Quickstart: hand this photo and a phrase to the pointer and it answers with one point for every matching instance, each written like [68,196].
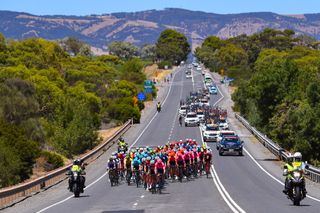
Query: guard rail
[314,173]
[11,195]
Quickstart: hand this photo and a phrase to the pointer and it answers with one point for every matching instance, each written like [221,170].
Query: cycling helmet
[152,162]
[159,160]
[148,158]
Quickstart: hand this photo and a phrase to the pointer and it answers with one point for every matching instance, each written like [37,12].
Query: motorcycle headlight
[75,174]
[296,174]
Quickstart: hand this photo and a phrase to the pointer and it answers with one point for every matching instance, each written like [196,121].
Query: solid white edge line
[62,201]
[223,192]
[156,112]
[264,170]
[66,199]
[270,175]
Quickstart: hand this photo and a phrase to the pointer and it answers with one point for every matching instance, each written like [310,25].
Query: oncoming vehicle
[213,90]
[188,75]
[230,144]
[207,79]
[183,110]
[191,119]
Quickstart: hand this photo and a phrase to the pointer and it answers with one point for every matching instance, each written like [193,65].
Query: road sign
[141,96]
[148,84]
[148,90]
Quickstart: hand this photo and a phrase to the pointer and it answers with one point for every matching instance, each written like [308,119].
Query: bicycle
[207,168]
[128,176]
[113,177]
[172,172]
[180,173]
[137,177]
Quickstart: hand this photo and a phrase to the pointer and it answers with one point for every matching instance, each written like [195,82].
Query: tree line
[55,95]
[278,79]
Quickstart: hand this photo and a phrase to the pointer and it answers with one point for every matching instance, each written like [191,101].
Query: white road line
[223,192]
[155,113]
[256,162]
[66,199]
[270,175]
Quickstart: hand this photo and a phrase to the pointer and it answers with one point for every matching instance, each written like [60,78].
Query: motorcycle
[296,182]
[76,182]
[159,108]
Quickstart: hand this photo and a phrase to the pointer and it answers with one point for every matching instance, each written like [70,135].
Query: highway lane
[252,189]
[199,195]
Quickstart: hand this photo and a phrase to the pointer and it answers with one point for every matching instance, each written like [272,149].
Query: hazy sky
[87,7]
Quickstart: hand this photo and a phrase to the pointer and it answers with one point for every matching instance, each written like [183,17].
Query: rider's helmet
[77,162]
[159,160]
[152,162]
[297,156]
[111,158]
[148,158]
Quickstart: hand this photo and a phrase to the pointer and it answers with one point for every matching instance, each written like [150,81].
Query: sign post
[148,86]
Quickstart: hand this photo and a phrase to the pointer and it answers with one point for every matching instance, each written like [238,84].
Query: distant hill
[144,27]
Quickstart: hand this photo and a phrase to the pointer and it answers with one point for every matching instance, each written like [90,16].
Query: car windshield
[223,121]
[211,128]
[183,108]
[204,101]
[231,140]
[191,116]
[200,113]
[227,134]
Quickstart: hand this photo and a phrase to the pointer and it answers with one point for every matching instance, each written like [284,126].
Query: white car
[191,119]
[204,102]
[199,68]
[223,124]
[188,75]
[200,115]
[183,110]
[224,133]
[211,136]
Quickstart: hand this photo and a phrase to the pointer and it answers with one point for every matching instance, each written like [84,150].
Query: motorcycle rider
[294,163]
[158,106]
[78,167]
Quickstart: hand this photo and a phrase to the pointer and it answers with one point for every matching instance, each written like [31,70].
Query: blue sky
[87,7]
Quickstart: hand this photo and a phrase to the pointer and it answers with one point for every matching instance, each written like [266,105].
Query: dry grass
[107,133]
[153,72]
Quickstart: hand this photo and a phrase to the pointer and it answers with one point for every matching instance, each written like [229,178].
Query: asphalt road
[247,185]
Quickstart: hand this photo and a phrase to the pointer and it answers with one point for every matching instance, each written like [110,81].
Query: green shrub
[53,158]
[162,64]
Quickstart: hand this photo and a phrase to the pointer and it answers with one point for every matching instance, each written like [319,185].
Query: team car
[230,144]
